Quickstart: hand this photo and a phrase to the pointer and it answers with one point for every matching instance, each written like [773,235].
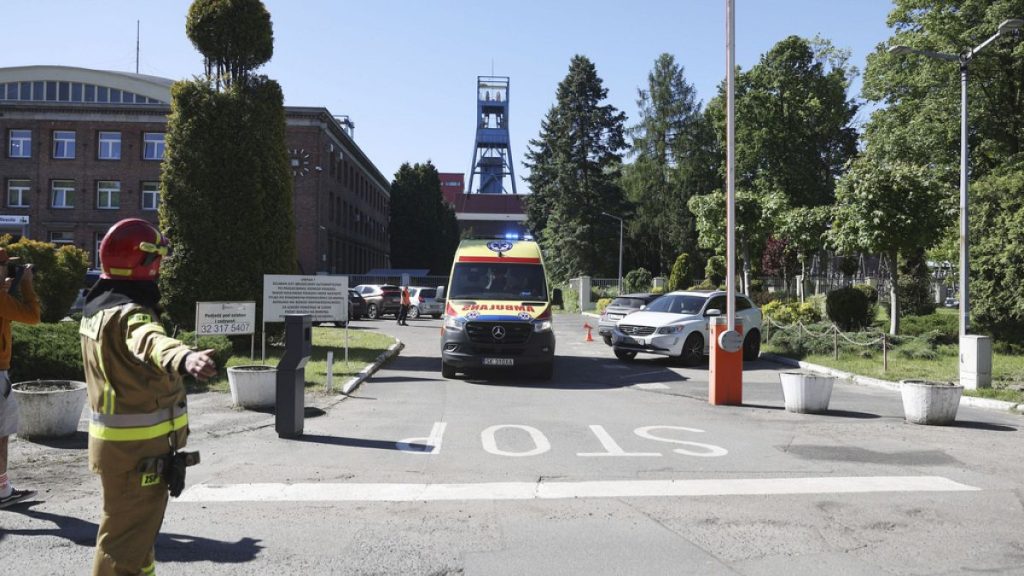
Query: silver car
[676,325]
[423,302]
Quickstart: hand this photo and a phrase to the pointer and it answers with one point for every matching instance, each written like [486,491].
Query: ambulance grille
[489,332]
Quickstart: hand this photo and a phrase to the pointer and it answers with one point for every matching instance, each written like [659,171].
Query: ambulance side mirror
[440,293]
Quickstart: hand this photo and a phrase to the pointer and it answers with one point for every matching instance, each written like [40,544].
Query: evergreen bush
[870,291]
[681,275]
[49,351]
[638,280]
[849,309]
[57,273]
[945,328]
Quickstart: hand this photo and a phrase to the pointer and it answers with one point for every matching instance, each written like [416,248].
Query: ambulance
[498,310]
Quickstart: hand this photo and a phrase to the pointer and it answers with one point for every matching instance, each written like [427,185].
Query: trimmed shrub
[714,271]
[790,343]
[638,280]
[791,312]
[602,304]
[221,345]
[870,291]
[848,308]
[681,274]
[46,352]
[57,273]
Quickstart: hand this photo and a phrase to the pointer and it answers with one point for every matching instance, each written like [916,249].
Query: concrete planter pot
[927,402]
[806,393]
[253,386]
[49,408]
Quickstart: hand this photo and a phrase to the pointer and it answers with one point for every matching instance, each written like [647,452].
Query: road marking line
[356,492]
[651,386]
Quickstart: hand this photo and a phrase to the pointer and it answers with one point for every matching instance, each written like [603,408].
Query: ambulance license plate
[498,361]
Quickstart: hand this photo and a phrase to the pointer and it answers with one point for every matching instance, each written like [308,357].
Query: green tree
[920,124]
[804,230]
[888,207]
[794,131]
[675,159]
[575,166]
[424,232]
[756,217]
[997,231]
[226,187]
[234,36]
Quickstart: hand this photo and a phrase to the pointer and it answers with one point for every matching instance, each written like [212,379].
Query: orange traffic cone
[588,328]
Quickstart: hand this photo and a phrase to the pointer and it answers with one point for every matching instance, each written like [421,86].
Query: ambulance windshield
[498,281]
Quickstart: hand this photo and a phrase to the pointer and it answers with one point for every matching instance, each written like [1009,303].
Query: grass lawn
[363,348]
[1007,369]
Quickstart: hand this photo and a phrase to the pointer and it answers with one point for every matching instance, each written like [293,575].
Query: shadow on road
[360,442]
[981,426]
[169,547]
[77,441]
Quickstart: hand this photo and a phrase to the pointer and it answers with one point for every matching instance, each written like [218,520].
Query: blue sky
[405,70]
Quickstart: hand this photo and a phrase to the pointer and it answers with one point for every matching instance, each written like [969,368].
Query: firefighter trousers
[133,510]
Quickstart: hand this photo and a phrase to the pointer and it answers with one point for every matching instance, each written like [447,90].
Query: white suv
[676,325]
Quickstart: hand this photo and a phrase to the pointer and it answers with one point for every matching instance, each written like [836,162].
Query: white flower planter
[806,393]
[49,408]
[253,386]
[933,403]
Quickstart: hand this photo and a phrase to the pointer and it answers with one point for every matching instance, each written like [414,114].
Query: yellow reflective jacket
[136,393]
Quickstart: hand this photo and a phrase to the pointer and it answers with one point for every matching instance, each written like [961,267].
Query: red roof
[484,203]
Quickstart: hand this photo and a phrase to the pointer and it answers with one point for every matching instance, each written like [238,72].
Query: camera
[15,271]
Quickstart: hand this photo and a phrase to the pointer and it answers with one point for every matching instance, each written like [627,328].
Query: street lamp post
[620,247]
[964,59]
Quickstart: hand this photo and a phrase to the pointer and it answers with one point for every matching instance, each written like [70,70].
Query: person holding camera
[139,409]
[18,303]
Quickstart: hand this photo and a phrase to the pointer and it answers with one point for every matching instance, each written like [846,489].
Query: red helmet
[132,250]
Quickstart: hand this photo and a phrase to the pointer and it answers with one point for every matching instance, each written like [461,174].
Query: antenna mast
[136,46]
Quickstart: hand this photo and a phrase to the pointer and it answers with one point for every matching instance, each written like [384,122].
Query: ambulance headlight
[542,325]
[454,323]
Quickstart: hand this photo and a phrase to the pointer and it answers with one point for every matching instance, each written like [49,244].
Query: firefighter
[139,411]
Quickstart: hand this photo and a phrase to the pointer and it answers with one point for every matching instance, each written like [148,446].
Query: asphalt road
[611,468]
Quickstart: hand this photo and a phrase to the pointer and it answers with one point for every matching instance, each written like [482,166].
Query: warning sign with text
[325,298]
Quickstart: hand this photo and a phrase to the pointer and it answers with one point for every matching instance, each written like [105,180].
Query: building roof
[486,206]
[153,87]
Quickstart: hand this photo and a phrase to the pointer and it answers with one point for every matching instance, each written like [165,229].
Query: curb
[986,403]
[365,373]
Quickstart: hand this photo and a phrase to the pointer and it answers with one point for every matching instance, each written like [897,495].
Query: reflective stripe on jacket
[136,393]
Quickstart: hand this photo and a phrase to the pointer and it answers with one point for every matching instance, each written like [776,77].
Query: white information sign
[325,298]
[225,318]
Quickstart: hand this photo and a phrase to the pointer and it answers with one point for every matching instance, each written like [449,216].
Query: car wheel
[752,346]
[372,312]
[447,370]
[625,355]
[693,350]
[414,312]
[608,340]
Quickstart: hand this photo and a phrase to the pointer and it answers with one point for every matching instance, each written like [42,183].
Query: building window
[61,238]
[110,146]
[150,195]
[64,144]
[17,193]
[20,144]
[153,146]
[62,194]
[97,239]
[108,194]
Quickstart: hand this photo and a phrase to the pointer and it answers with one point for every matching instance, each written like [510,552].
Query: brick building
[83,149]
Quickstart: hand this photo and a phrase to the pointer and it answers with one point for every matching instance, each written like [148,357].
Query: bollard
[291,375]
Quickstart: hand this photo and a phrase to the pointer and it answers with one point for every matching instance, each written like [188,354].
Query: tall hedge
[849,308]
[226,191]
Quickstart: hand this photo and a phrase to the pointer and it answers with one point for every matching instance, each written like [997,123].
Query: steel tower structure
[492,153]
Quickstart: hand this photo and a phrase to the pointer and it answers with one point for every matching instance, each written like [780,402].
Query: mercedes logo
[498,332]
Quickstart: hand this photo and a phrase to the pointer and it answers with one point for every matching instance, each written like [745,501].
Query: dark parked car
[380,299]
[91,276]
[618,309]
[356,305]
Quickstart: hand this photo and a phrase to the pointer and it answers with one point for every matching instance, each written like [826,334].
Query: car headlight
[542,326]
[454,323]
[671,329]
